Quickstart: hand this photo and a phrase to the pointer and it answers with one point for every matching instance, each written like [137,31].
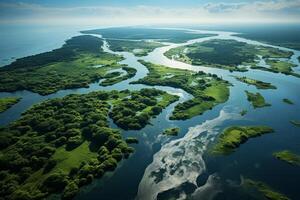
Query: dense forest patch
[225,54]
[79,62]
[135,111]
[62,144]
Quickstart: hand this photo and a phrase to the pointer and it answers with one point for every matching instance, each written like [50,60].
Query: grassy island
[287,101]
[232,137]
[116,77]
[208,90]
[138,48]
[288,156]
[62,144]
[171,131]
[79,62]
[295,122]
[284,67]
[225,54]
[257,100]
[7,102]
[130,33]
[277,66]
[257,83]
[265,190]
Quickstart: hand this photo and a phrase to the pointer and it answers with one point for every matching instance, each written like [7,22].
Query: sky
[137,12]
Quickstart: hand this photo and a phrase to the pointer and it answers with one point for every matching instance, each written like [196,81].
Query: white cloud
[259,11]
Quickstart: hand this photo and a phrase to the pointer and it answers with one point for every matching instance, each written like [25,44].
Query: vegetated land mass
[243,112]
[278,66]
[112,78]
[79,62]
[285,36]
[288,101]
[7,102]
[265,190]
[171,131]
[232,137]
[257,83]
[62,144]
[225,54]
[288,156]
[135,111]
[138,48]
[257,100]
[175,36]
[208,90]
[295,122]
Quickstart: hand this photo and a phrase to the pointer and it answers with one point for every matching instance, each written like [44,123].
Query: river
[182,159]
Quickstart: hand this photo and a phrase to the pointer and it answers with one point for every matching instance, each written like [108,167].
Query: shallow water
[155,153]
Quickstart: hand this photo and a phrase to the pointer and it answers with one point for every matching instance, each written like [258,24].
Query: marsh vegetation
[208,89]
[7,102]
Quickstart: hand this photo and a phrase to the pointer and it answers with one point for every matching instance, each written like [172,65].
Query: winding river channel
[160,163]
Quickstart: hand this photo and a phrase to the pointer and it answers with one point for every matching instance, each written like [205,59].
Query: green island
[295,122]
[257,100]
[116,77]
[171,131]
[138,48]
[135,111]
[163,35]
[287,101]
[224,54]
[283,67]
[62,144]
[243,112]
[7,102]
[232,137]
[257,83]
[79,62]
[288,156]
[131,140]
[208,89]
[265,190]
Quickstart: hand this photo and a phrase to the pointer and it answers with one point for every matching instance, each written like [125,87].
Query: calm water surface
[185,156]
